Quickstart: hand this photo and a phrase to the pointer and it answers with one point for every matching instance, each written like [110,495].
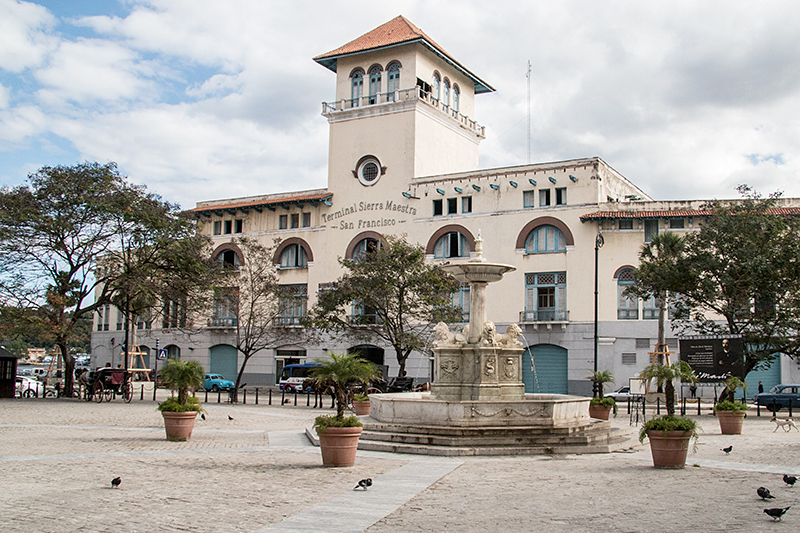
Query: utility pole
[528,75]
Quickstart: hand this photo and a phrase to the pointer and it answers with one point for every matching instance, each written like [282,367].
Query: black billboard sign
[714,358]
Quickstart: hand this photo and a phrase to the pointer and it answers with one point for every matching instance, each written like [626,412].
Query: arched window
[446,93]
[456,98]
[545,239]
[229,259]
[451,244]
[364,248]
[437,82]
[393,84]
[374,84]
[627,305]
[356,87]
[294,256]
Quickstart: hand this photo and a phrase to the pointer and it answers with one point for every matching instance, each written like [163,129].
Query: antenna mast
[528,75]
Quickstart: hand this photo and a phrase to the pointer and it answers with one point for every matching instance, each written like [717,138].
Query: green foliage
[664,375]
[741,266]
[321,423]
[728,405]
[605,402]
[599,378]
[183,377]
[342,371]
[360,398]
[668,423]
[172,404]
[404,296]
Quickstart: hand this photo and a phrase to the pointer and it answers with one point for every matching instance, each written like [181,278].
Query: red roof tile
[399,30]
[250,203]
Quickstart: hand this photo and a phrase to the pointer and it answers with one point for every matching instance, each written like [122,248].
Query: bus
[293,376]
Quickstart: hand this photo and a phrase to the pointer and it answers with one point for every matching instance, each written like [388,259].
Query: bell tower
[404,108]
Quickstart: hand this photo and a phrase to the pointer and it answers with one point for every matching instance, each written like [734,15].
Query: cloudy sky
[209,99]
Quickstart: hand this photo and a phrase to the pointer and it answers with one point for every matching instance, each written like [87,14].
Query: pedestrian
[760,387]
[693,390]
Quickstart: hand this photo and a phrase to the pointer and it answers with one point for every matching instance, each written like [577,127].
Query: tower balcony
[391,101]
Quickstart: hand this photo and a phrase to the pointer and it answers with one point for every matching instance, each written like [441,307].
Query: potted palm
[338,434]
[731,413]
[180,412]
[669,435]
[361,404]
[600,406]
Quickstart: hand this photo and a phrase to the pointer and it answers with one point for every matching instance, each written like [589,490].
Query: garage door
[224,361]
[550,369]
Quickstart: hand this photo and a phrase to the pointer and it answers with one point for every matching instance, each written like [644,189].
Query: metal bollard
[219,396]
[295,397]
[790,408]
[658,406]
[141,392]
[698,407]
[308,398]
[244,396]
[256,395]
[206,400]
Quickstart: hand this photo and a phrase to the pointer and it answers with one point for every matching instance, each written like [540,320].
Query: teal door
[224,361]
[550,369]
[768,377]
[527,370]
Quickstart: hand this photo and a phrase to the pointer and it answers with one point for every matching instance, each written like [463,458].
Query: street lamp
[598,243]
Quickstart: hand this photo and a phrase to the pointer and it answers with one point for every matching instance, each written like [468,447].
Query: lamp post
[598,243]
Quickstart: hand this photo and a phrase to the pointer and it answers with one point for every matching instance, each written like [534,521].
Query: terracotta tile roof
[397,31]
[675,213]
[261,201]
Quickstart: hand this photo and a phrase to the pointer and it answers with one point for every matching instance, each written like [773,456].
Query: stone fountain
[477,404]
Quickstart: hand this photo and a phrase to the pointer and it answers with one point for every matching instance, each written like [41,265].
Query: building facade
[403,159]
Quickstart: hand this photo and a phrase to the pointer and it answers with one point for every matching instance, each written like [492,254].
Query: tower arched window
[356,87]
[456,98]
[446,93]
[545,239]
[229,259]
[437,83]
[393,83]
[374,84]
[452,244]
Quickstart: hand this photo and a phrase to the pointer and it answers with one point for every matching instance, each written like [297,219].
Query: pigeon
[776,512]
[789,480]
[230,417]
[115,482]
[203,416]
[363,484]
[727,450]
[763,493]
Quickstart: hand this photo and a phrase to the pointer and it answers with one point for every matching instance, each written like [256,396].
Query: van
[293,376]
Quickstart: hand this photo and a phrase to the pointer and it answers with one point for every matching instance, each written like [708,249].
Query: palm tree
[340,372]
[599,378]
[661,254]
[182,376]
[664,375]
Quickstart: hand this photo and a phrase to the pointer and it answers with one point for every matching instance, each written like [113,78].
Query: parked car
[622,394]
[215,382]
[28,387]
[779,397]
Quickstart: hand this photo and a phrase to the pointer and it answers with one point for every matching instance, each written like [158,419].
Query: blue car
[215,382]
[779,397]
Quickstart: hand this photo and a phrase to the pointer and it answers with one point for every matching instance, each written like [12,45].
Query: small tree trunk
[669,391]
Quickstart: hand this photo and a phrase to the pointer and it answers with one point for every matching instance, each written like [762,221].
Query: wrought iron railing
[544,315]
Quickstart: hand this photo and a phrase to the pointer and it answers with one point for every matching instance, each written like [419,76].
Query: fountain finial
[478,250]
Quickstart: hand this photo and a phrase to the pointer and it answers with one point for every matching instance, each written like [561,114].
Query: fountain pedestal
[471,372]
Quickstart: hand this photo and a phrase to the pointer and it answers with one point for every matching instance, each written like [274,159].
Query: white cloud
[24,37]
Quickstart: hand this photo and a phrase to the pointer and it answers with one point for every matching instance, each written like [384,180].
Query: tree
[738,275]
[59,234]
[399,296]
[252,295]
[664,376]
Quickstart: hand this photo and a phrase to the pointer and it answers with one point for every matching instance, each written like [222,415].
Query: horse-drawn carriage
[107,383]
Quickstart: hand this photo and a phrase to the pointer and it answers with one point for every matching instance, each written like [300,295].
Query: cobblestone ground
[57,459]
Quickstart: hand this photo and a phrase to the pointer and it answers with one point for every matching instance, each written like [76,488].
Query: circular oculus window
[369,171]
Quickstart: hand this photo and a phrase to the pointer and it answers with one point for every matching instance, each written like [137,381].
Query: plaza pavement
[258,473]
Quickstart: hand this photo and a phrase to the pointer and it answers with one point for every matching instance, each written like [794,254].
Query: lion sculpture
[444,337]
[510,337]
[488,334]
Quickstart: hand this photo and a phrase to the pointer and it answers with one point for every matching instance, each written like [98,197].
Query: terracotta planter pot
[339,445]
[361,408]
[600,411]
[669,449]
[179,426]
[731,422]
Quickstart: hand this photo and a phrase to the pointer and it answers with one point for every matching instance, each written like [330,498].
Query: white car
[622,394]
[29,387]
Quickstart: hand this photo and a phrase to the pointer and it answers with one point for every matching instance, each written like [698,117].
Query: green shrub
[668,423]
[605,402]
[728,405]
[360,398]
[173,405]
[321,423]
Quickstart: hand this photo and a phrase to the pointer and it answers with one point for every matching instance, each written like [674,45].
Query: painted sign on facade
[714,358]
